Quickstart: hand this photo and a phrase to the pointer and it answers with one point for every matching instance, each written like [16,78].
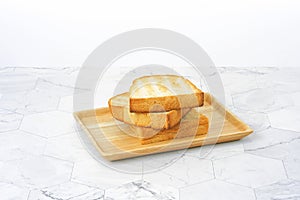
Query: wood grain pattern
[114,141]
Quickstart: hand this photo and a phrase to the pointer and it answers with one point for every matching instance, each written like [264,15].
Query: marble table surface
[42,156]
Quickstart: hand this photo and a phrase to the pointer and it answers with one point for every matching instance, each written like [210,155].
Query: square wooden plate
[110,138]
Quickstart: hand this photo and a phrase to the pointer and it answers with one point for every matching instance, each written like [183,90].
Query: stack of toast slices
[161,107]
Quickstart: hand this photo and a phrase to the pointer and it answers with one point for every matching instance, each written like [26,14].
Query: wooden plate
[111,138]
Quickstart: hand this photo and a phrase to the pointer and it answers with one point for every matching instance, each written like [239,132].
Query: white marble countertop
[41,156]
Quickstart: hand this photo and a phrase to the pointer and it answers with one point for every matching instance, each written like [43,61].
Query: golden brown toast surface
[119,107]
[163,93]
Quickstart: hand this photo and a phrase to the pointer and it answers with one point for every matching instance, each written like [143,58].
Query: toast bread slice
[160,93]
[119,108]
[194,123]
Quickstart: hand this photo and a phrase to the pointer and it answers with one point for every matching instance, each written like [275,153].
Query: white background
[234,33]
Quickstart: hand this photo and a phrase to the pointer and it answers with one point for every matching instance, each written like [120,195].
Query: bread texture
[119,108]
[160,93]
[194,123]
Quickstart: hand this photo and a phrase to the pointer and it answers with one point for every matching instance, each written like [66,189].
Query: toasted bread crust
[188,122]
[201,130]
[162,120]
[186,129]
[167,103]
[194,97]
